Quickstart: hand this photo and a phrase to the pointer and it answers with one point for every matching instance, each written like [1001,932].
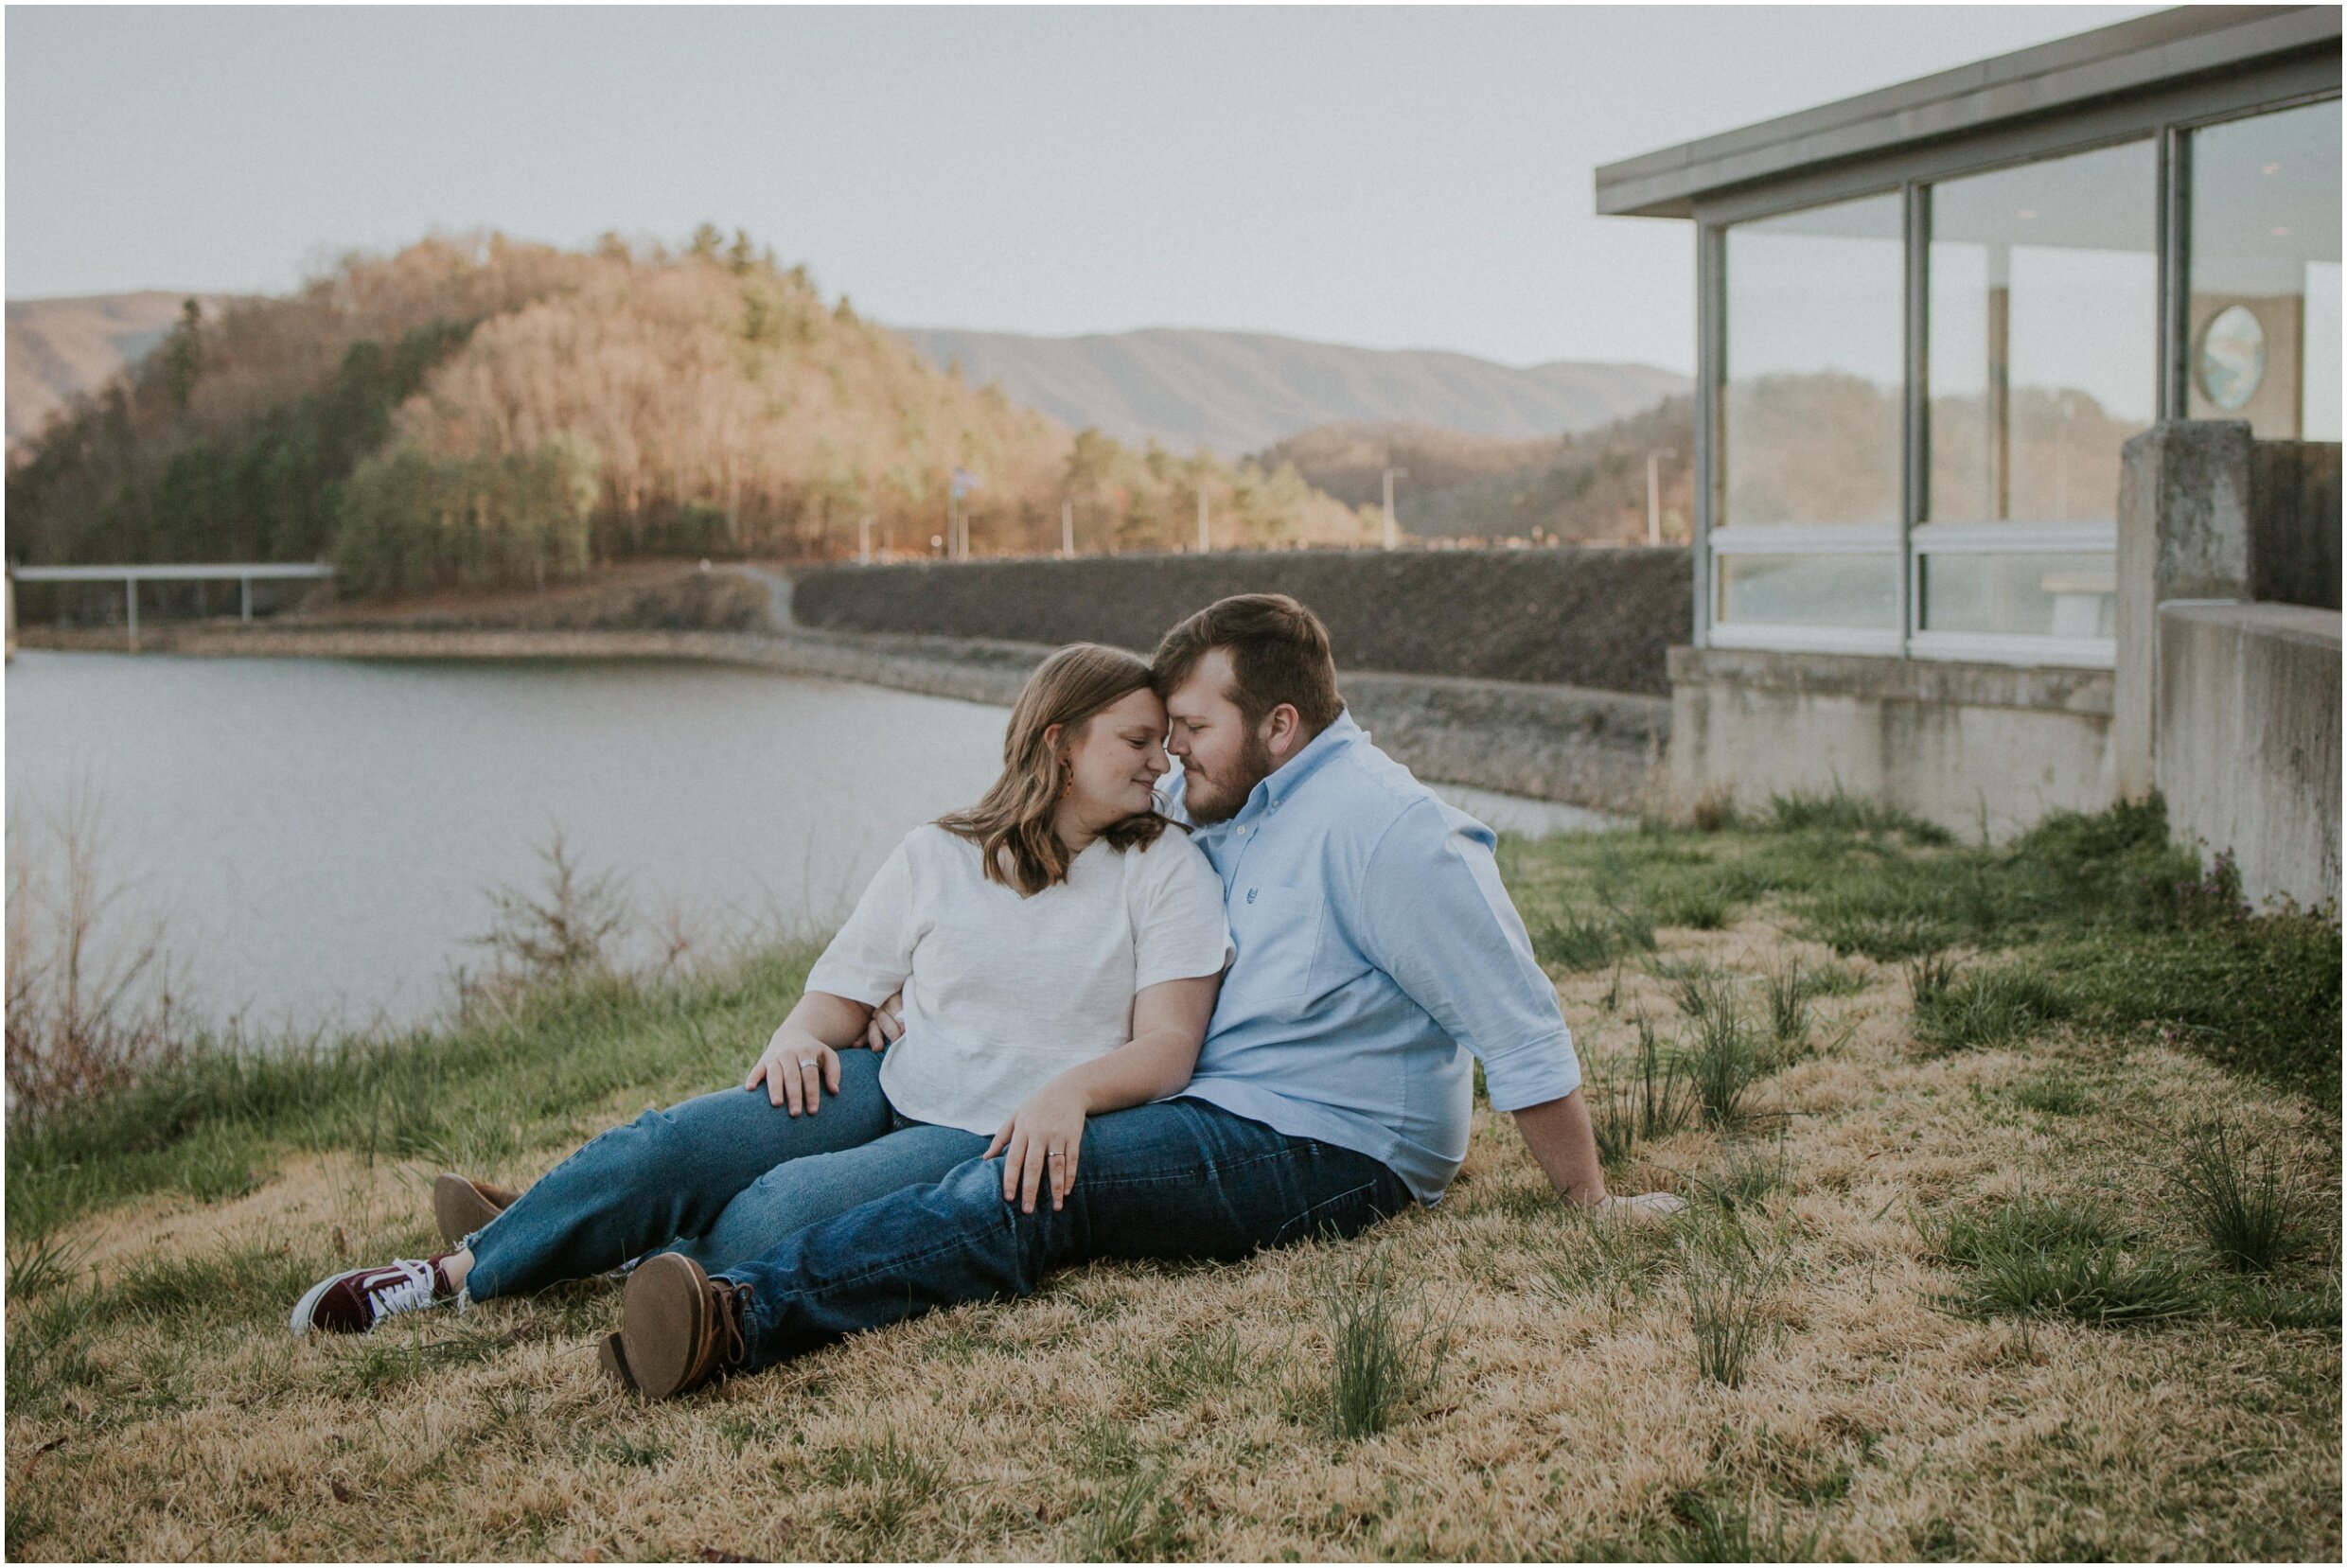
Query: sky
[1395,177]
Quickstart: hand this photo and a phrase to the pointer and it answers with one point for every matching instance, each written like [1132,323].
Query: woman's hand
[796,1067]
[1040,1143]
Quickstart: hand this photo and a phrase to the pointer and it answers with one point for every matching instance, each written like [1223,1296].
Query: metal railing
[244,573]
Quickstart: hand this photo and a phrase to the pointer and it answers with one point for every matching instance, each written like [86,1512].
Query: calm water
[319,837]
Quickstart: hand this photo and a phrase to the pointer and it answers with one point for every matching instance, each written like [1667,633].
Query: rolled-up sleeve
[1436,917]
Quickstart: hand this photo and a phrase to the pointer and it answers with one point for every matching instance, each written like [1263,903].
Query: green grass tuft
[1377,1366]
[2241,1198]
[1987,1008]
[2041,1259]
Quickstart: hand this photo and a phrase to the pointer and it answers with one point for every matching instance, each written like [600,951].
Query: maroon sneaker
[353,1302]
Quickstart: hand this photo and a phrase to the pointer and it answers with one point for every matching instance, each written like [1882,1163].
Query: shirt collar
[1282,780]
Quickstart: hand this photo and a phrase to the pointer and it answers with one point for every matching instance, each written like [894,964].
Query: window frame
[2166,118]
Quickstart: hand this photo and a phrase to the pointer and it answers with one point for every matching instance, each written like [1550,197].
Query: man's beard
[1226,795]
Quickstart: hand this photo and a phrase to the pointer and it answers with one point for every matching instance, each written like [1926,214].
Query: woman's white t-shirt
[1002,992]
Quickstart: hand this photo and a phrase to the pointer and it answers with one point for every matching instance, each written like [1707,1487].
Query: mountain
[1236,392]
[60,349]
[1588,487]
[478,412]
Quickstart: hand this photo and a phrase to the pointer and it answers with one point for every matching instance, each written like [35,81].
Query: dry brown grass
[1098,1419]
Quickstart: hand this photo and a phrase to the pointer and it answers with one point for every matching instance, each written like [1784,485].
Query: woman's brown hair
[1012,824]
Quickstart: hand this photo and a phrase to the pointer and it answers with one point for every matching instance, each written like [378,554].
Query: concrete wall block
[2184,507]
[1964,748]
[2249,741]
[2294,517]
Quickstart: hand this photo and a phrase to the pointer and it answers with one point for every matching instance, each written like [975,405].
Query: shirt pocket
[1277,929]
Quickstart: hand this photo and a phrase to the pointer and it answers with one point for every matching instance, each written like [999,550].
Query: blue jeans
[718,1178]
[1175,1179]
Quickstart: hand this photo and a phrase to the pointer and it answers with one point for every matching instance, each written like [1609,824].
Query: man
[1377,955]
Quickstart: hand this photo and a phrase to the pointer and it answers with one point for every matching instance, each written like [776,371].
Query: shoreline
[1568,746]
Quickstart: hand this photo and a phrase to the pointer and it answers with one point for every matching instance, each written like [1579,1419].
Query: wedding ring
[806,1061]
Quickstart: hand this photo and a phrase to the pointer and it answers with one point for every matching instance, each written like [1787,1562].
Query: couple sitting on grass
[1239,1023]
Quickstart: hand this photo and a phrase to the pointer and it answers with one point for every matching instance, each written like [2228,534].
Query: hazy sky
[1397,177]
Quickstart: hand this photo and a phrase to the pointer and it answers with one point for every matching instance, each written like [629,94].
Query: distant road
[1240,391]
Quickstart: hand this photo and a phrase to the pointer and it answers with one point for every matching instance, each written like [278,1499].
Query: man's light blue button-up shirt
[1376,950]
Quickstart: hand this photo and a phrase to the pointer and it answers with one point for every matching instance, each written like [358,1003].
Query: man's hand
[796,1067]
[1040,1143]
[888,1024]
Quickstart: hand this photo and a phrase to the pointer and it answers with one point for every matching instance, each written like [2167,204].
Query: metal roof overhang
[2141,55]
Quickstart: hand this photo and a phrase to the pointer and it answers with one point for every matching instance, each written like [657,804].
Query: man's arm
[1559,1137]
[1436,918]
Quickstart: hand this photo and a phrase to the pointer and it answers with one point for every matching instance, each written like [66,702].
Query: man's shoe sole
[459,1208]
[665,1314]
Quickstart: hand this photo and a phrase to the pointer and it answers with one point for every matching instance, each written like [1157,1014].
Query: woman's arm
[1044,1136]
[803,1053]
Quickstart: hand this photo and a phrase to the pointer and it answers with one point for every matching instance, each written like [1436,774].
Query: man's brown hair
[1278,653]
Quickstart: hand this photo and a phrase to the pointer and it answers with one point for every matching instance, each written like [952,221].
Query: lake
[318,838]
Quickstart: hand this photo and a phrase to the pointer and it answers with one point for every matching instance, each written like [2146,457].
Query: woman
[1059,951]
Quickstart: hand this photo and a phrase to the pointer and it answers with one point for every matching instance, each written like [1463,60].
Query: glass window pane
[1809,415]
[2264,271]
[1810,591]
[2040,595]
[2043,335]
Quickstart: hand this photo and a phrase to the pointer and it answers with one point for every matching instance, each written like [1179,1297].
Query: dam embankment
[1471,668]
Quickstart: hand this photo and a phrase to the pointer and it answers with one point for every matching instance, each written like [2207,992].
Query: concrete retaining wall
[1962,745]
[2249,749]
[1591,618]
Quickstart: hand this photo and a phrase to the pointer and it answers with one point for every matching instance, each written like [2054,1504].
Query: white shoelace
[406,1295]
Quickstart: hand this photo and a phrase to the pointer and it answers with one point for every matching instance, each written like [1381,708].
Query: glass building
[1929,317]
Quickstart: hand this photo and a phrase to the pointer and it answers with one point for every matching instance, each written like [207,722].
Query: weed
[1728,1285]
[39,1263]
[1657,1102]
[2043,1259]
[1723,1063]
[1750,1173]
[1377,1366]
[1585,940]
[2053,1093]
[1134,1524]
[1993,1006]
[1198,1365]
[217,1171]
[1717,1531]
[1695,909]
[1928,978]
[1787,990]
[1619,1262]
[898,1479]
[635,1453]
[1843,812]
[2241,1198]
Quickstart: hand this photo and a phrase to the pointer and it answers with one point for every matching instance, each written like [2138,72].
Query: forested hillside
[1588,489]
[483,412]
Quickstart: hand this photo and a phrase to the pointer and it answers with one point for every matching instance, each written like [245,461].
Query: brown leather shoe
[612,1355]
[461,1206]
[677,1327]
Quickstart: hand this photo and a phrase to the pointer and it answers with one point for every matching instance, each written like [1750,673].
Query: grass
[1975,1310]
[1377,1366]
[1657,1102]
[2242,1199]
[2050,1260]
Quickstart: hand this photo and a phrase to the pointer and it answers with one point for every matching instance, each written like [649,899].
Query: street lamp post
[1393,531]
[1654,493]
